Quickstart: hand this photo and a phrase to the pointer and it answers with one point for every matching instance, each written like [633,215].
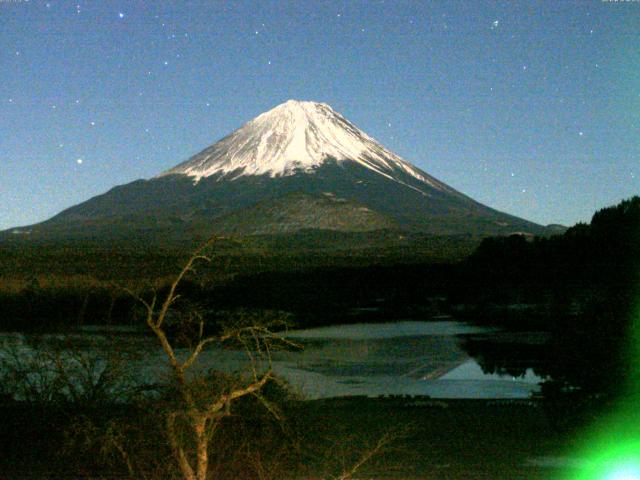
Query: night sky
[529,107]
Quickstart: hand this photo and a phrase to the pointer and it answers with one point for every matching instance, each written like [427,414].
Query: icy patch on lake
[365,331]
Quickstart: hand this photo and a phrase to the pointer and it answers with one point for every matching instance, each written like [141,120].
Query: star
[79,161]
[495,24]
[93,124]
[581,133]
[121,15]
[165,62]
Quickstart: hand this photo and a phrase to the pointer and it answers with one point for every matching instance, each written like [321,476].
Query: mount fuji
[300,166]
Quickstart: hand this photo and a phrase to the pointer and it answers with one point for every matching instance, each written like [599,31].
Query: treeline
[584,288]
[604,254]
[597,261]
[58,285]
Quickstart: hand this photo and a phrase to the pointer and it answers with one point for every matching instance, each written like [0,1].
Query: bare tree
[194,403]
[205,401]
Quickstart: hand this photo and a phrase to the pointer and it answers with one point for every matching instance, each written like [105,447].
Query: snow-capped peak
[292,137]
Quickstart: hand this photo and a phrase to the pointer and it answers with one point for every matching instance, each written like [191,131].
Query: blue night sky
[529,107]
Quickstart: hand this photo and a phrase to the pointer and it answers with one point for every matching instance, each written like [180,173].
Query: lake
[402,358]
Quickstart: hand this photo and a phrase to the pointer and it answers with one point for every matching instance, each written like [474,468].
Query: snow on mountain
[298,167]
[294,137]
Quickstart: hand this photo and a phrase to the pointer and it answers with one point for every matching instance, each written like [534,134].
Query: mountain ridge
[296,147]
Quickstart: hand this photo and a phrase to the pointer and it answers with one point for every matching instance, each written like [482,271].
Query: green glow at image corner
[621,461]
[612,451]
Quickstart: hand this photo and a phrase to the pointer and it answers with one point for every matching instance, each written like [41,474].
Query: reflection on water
[404,358]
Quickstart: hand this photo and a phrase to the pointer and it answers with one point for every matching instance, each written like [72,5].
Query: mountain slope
[298,166]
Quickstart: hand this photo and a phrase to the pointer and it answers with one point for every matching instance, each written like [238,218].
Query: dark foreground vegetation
[455,439]
[575,291]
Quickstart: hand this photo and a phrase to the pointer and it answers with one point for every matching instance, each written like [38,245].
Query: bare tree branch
[367,455]
[183,462]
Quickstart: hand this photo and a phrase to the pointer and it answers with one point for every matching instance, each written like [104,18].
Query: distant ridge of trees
[605,252]
[582,288]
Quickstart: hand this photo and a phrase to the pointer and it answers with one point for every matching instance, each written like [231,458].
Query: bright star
[121,15]
[79,161]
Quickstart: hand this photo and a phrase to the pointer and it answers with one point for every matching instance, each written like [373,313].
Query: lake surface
[402,358]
